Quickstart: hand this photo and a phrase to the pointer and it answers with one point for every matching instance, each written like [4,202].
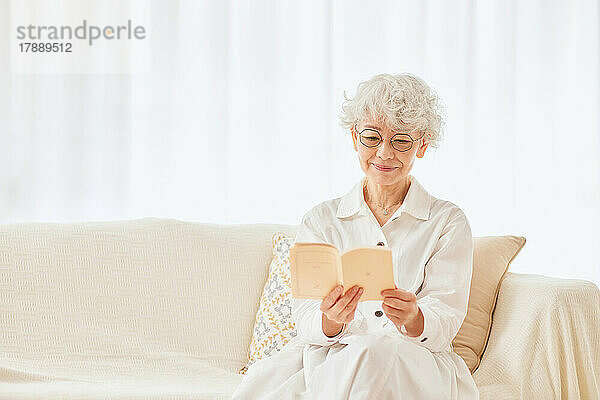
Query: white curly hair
[404,102]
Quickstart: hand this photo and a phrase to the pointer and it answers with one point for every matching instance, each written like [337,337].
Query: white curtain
[235,118]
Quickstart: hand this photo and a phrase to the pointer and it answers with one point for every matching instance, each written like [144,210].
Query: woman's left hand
[400,307]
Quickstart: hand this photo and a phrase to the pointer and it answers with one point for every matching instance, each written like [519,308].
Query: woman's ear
[421,150]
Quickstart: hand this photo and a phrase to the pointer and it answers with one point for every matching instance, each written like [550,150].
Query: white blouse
[432,252]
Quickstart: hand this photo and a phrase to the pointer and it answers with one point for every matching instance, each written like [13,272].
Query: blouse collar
[417,201]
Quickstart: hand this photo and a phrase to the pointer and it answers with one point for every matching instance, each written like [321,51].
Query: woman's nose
[385,150]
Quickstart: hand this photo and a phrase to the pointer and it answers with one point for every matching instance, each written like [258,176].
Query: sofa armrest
[544,341]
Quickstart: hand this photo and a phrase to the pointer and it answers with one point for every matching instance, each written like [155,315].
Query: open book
[316,268]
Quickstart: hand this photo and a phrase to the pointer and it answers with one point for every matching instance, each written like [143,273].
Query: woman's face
[386,155]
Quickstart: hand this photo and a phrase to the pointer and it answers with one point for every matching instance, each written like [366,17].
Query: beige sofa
[164,309]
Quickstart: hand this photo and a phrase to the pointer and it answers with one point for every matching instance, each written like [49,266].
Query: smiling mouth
[382,168]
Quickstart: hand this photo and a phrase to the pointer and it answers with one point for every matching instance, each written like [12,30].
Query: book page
[315,269]
[369,267]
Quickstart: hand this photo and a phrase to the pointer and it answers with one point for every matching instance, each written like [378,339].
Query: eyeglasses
[400,141]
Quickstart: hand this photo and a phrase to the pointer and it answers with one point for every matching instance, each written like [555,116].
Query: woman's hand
[400,306]
[340,308]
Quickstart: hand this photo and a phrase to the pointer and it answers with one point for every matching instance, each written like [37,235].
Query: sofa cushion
[492,256]
[128,290]
[274,326]
[123,379]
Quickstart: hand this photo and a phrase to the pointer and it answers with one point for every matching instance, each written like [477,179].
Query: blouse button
[380,244]
[378,313]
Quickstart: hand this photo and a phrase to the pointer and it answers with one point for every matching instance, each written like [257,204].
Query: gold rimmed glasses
[401,141]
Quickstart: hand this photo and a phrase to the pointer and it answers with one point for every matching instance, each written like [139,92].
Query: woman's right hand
[340,308]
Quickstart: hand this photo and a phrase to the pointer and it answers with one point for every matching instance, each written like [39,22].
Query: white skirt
[360,366]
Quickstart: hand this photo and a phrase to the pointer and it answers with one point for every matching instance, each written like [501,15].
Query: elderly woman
[401,347]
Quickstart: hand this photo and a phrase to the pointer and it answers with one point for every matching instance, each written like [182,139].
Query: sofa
[156,308]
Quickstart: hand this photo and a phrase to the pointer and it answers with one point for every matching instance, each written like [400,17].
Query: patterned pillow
[274,326]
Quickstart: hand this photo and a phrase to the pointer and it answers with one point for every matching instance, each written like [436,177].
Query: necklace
[384,208]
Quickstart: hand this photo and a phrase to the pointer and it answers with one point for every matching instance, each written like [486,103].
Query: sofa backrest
[122,288]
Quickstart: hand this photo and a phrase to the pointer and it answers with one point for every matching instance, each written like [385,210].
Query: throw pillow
[273,325]
[491,257]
